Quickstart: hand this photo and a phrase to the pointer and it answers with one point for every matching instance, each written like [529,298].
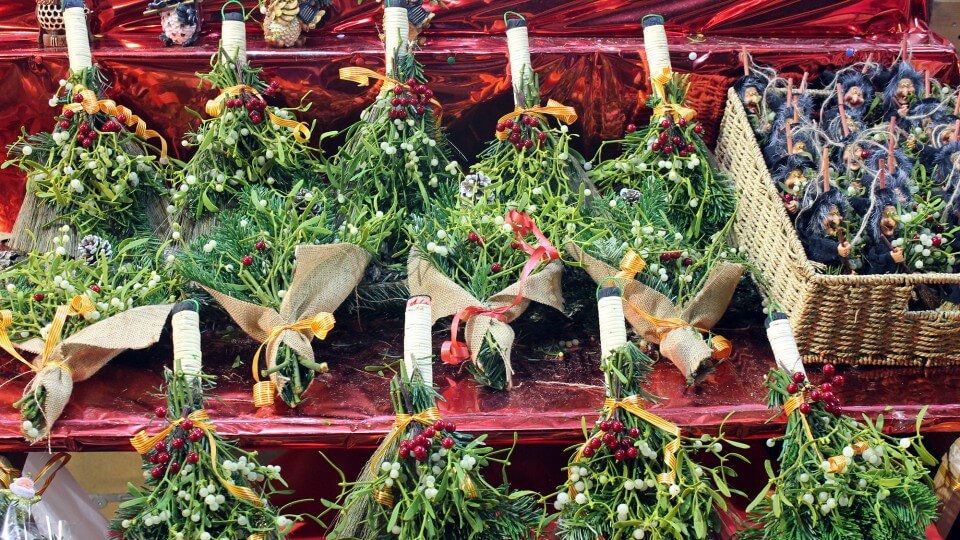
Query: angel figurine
[820,221]
[179,21]
[286,21]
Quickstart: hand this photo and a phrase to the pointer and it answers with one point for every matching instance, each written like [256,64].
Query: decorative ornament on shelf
[635,476]
[179,20]
[50,19]
[196,484]
[837,476]
[18,497]
[285,22]
[428,469]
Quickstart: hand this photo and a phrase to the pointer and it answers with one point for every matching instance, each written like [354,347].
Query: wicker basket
[850,319]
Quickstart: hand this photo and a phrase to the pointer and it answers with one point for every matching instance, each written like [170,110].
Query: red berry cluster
[272,89]
[418,447]
[412,98]
[674,255]
[669,144]
[86,135]
[260,246]
[523,131]
[164,453]
[616,438]
[247,260]
[823,393]
[253,104]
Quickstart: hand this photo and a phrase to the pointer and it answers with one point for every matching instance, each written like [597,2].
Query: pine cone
[92,248]
[303,199]
[630,195]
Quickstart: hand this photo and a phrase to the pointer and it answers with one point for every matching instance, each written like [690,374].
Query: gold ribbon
[631,265]
[632,405]
[561,112]
[792,405]
[722,347]
[80,305]
[143,443]
[383,496]
[318,325]
[7,475]
[91,105]
[214,108]
[678,111]
[400,423]
[53,466]
[362,76]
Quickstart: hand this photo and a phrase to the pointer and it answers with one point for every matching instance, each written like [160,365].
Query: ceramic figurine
[286,21]
[179,21]
[50,18]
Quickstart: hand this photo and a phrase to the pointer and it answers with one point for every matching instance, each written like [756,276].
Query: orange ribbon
[91,105]
[214,108]
[455,351]
[362,76]
[561,112]
[80,305]
[143,443]
[678,111]
[400,423]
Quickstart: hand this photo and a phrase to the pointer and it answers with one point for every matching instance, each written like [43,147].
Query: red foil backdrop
[587,53]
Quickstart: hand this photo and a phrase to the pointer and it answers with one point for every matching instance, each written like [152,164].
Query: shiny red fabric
[350,407]
[587,53]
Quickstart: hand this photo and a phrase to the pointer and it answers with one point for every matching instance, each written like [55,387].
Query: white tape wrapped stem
[613,329]
[518,46]
[78,42]
[186,343]
[396,32]
[655,45]
[417,340]
[784,345]
[233,39]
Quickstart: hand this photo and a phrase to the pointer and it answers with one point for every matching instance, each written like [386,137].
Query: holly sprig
[183,496]
[882,490]
[97,172]
[614,487]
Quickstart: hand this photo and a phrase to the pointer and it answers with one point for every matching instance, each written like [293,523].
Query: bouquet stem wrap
[83,354]
[449,298]
[325,276]
[659,320]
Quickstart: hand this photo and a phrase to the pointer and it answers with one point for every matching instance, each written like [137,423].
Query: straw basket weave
[852,319]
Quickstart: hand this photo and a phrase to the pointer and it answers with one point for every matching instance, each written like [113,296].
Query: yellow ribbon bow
[317,326]
[631,265]
[561,112]
[91,105]
[143,443]
[400,423]
[214,108]
[362,76]
[80,305]
[678,111]
[632,405]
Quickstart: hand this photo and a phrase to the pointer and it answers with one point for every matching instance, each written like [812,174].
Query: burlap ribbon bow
[324,277]
[449,298]
[645,310]
[80,356]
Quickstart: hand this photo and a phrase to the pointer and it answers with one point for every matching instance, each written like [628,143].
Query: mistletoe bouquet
[397,150]
[838,477]
[670,152]
[618,485]
[467,258]
[88,295]
[94,170]
[280,265]
[528,153]
[243,141]
[425,480]
[197,485]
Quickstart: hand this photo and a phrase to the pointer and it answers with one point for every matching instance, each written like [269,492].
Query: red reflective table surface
[349,406]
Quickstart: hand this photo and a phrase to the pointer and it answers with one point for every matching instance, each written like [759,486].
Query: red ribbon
[455,351]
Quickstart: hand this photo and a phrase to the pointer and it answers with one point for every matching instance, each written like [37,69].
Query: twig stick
[744,58]
[843,111]
[891,159]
